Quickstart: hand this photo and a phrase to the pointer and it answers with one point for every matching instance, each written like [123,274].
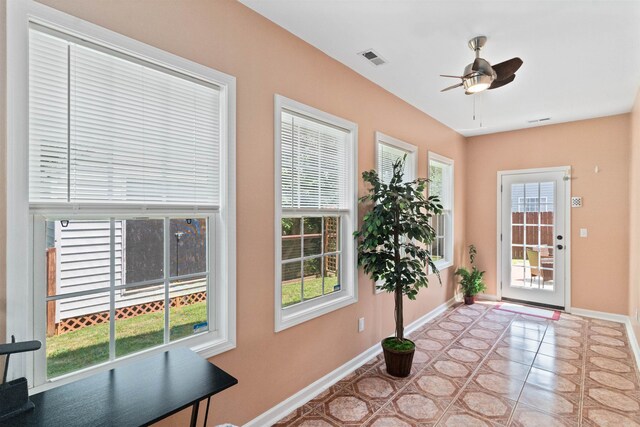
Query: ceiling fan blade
[499,83]
[506,69]
[451,87]
[453,77]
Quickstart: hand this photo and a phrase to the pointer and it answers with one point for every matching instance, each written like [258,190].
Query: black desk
[137,394]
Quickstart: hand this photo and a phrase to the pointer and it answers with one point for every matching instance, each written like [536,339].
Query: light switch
[361,324]
[583,232]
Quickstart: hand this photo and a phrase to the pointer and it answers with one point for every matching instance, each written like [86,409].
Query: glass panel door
[532,237]
[532,231]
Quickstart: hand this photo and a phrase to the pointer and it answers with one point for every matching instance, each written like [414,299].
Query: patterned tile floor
[478,366]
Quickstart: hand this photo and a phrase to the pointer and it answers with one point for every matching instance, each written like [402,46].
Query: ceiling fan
[480,75]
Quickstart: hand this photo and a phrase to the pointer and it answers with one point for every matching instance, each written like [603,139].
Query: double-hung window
[388,151]
[130,178]
[316,215]
[441,185]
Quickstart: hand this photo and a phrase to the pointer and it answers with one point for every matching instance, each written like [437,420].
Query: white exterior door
[533,243]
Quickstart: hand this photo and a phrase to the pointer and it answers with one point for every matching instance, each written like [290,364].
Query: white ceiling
[581,58]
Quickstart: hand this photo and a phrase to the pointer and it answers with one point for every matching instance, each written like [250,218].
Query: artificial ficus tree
[396,234]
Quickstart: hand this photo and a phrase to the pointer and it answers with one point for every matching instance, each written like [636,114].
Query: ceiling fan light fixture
[480,75]
[477,83]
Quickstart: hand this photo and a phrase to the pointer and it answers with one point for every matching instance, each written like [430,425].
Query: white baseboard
[620,318]
[287,406]
[488,297]
[416,324]
[634,341]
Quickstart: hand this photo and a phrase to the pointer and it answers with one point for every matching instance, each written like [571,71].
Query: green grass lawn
[312,289]
[89,346]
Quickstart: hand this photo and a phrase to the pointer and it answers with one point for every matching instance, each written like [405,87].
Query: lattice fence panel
[79,322]
[331,225]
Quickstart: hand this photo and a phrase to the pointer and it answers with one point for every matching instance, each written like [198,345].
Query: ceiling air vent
[544,119]
[372,57]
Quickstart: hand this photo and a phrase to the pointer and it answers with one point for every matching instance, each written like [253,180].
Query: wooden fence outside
[78,322]
[74,323]
[539,231]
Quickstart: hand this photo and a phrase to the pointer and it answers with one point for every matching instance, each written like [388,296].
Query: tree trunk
[398,291]
[399,317]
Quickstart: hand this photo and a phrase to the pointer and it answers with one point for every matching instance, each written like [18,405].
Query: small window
[315,212]
[388,151]
[441,185]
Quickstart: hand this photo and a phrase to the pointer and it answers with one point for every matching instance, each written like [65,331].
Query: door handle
[560,247]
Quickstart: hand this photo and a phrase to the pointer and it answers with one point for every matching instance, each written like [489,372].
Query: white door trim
[567,223]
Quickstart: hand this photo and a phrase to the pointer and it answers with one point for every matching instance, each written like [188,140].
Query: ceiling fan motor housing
[480,78]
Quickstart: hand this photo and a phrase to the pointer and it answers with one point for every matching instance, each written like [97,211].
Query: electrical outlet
[584,232]
[361,324]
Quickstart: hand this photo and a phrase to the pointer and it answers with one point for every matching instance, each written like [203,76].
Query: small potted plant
[471,282]
[393,247]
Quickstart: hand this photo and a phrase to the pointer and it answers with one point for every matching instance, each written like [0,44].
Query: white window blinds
[315,159]
[387,156]
[104,127]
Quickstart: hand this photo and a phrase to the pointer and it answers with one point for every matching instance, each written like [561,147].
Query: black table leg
[194,414]
[206,414]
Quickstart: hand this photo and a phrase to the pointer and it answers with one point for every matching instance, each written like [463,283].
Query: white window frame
[410,171]
[22,224]
[449,229]
[286,317]
[411,164]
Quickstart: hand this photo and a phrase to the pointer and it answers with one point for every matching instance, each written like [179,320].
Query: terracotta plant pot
[398,362]
[469,300]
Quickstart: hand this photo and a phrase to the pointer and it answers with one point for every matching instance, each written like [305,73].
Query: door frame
[567,227]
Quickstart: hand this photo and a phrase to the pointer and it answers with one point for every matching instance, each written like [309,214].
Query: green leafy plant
[471,281]
[394,238]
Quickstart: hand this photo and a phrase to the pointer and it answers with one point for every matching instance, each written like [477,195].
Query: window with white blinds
[315,159]
[131,176]
[108,128]
[441,185]
[387,156]
[388,151]
[316,169]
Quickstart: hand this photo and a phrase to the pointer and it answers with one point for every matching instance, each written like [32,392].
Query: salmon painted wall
[599,263]
[267,60]
[634,220]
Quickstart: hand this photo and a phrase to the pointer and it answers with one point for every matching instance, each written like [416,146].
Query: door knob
[560,247]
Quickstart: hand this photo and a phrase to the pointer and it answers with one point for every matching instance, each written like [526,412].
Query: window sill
[204,349]
[443,265]
[303,314]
